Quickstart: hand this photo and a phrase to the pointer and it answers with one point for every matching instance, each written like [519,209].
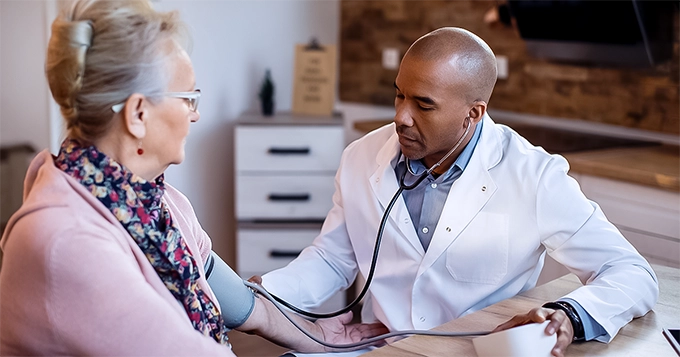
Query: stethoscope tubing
[402,186]
[278,302]
[366,342]
[369,278]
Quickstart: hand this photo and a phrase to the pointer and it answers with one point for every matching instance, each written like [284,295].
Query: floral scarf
[138,206]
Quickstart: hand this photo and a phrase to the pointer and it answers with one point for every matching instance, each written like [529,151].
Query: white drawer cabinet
[296,149]
[278,196]
[286,172]
[285,168]
[638,207]
[271,248]
[648,217]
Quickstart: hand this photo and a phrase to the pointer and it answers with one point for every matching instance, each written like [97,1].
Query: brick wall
[639,98]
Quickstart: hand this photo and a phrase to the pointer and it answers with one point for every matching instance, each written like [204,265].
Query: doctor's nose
[403,116]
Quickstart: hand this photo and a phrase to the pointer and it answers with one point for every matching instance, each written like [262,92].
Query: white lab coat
[512,203]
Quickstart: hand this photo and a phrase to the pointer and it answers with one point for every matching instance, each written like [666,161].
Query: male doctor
[476,231]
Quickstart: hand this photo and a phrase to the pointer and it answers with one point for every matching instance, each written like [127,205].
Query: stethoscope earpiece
[422,176]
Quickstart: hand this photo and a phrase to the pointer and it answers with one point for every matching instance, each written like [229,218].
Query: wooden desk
[641,337]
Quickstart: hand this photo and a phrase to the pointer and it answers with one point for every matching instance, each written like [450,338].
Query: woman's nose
[195,116]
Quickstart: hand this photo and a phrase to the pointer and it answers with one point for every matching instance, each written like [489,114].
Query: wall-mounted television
[635,33]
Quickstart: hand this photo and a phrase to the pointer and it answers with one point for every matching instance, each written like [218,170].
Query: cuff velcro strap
[576,324]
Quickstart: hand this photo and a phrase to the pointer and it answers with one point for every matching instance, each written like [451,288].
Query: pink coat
[73,282]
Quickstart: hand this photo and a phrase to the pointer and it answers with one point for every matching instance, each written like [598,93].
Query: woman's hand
[268,322]
[338,330]
[559,323]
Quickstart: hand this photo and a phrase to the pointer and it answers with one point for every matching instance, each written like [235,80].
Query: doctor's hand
[559,323]
[339,330]
[255,279]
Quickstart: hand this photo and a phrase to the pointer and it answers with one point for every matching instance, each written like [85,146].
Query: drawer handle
[284,253]
[289,151]
[289,197]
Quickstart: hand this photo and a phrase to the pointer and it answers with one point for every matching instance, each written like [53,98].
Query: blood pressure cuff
[236,300]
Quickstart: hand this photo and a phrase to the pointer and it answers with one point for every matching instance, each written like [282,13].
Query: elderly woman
[104,257]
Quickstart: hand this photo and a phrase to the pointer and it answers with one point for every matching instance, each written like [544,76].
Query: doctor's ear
[477,111]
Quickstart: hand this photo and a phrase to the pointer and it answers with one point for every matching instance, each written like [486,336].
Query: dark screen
[577,20]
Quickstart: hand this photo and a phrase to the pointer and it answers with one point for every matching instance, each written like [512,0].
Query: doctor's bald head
[471,58]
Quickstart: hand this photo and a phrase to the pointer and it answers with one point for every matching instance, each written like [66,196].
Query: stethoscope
[402,186]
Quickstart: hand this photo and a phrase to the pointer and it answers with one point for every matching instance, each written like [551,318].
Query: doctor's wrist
[576,323]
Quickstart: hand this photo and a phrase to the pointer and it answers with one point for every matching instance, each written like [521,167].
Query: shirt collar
[460,164]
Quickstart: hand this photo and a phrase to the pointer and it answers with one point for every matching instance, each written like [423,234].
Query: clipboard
[314,79]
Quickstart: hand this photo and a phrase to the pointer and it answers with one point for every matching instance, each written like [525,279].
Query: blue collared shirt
[426,202]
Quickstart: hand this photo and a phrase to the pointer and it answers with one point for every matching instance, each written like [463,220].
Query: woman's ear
[136,115]
[477,111]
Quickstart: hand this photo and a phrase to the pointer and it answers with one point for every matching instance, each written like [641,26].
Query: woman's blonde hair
[101,52]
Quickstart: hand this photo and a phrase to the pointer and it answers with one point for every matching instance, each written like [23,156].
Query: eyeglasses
[191,98]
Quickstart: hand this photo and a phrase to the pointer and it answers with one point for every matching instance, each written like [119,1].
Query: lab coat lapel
[384,185]
[468,195]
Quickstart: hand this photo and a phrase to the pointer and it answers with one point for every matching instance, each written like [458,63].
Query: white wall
[233,43]
[24,108]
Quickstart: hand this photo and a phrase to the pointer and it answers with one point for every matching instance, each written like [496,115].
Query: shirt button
[425,230]
[434,185]
[422,319]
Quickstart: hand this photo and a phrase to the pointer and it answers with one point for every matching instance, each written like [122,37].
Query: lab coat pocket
[480,253]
